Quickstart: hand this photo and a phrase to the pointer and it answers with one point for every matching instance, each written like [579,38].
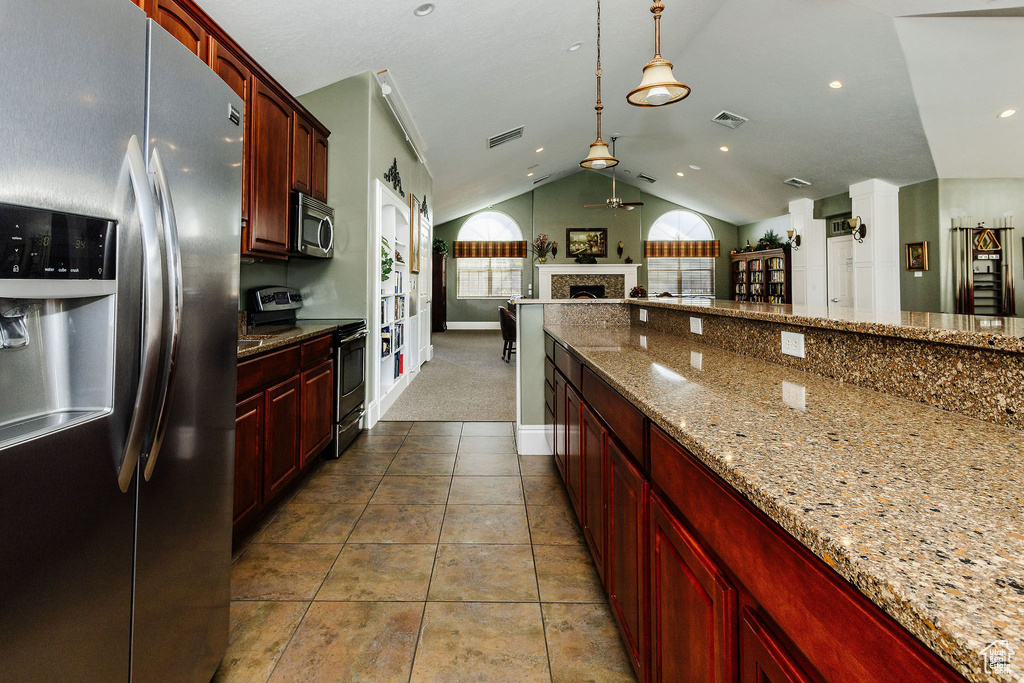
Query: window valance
[489,249]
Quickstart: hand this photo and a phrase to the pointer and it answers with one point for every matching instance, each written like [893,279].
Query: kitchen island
[918,507]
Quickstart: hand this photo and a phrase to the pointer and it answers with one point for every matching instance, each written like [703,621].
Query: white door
[426,279]
[840,271]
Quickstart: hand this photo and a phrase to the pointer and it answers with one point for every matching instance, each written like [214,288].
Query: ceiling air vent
[507,136]
[729,120]
[647,178]
[796,182]
[541,179]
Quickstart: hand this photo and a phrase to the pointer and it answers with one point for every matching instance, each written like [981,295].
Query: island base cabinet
[574,450]
[764,658]
[560,424]
[594,438]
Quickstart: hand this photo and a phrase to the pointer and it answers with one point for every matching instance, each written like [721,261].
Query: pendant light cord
[598,107]
[656,9]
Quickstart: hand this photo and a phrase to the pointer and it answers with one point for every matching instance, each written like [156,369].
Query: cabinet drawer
[317,349]
[549,346]
[266,370]
[622,418]
[569,365]
[549,372]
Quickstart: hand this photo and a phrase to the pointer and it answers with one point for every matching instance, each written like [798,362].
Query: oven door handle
[357,335]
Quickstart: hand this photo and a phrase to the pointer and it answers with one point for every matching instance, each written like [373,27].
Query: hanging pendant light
[658,87]
[599,156]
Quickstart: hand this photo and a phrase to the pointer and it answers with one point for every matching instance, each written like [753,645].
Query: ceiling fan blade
[595,206]
[632,204]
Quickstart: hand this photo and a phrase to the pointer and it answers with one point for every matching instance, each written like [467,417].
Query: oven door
[312,227]
[350,386]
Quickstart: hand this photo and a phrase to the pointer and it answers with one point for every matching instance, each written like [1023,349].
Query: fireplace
[596,290]
[555,279]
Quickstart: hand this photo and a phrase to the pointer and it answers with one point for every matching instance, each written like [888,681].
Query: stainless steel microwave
[312,227]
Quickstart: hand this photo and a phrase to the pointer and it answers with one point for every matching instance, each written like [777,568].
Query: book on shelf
[385,342]
[398,365]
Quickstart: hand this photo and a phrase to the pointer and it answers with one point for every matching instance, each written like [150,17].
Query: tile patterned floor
[429,552]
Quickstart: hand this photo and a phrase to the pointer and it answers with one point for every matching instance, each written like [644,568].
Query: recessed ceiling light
[724,148]
[1007,114]
[574,47]
[424,9]
[835,85]
[680,174]
[530,174]
[539,150]
[695,167]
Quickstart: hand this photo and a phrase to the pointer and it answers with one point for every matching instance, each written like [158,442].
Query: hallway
[429,552]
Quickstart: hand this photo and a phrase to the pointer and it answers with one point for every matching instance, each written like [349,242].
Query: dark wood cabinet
[270,158]
[236,73]
[439,294]
[248,459]
[302,154]
[693,607]
[319,180]
[626,575]
[281,435]
[317,410]
[560,423]
[173,17]
[593,439]
[763,657]
[574,449]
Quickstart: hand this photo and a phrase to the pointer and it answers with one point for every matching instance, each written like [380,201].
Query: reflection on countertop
[919,508]
[272,337]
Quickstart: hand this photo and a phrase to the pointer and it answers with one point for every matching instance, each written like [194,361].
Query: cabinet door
[693,607]
[594,438]
[248,459]
[764,659]
[271,155]
[626,576]
[235,72]
[560,424]
[574,449]
[317,410]
[171,15]
[302,153]
[281,440]
[319,189]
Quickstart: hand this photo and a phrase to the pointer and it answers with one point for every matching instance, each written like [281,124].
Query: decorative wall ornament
[396,180]
[423,208]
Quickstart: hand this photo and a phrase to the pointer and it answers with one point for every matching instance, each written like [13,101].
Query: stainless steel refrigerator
[120,207]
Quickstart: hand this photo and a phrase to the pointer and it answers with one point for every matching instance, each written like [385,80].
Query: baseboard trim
[534,440]
[474,326]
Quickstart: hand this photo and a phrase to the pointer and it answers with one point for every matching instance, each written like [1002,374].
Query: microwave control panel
[36,244]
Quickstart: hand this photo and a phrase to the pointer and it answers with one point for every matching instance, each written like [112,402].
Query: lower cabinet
[764,657]
[317,411]
[248,460]
[574,449]
[594,439]
[281,443]
[560,423]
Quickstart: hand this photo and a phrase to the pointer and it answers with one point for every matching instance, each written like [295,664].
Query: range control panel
[36,244]
[274,299]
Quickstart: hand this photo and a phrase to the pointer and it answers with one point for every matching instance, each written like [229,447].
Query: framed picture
[414,234]
[591,242]
[917,256]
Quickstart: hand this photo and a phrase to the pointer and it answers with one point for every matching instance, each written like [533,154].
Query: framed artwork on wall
[587,242]
[917,256]
[414,234]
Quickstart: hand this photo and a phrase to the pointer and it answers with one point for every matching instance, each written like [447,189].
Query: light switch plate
[696,325]
[643,315]
[792,344]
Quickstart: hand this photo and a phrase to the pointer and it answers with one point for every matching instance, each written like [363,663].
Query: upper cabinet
[177,21]
[285,147]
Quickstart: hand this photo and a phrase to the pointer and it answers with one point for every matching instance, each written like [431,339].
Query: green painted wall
[830,206]
[553,208]
[919,222]
[752,232]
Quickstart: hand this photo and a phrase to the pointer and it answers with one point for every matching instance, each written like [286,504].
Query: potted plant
[440,246]
[386,262]
[542,247]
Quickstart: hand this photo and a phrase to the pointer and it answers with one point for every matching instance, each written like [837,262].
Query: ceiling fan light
[658,86]
[599,156]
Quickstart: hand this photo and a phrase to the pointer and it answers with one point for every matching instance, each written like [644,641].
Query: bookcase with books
[394,291]
[762,276]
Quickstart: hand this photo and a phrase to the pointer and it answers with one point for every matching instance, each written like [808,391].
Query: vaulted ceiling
[919,98]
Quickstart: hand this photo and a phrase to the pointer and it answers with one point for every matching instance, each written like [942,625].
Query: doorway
[839,265]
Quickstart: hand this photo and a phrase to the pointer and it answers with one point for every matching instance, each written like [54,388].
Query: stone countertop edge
[888,596]
[291,336]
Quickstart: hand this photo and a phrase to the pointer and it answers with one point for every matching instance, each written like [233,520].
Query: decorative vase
[543,259]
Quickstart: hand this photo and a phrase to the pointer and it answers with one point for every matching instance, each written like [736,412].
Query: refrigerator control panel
[36,244]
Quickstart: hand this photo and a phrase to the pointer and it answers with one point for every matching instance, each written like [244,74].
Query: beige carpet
[465,382]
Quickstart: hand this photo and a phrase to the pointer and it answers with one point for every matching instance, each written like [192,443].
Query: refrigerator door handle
[152,316]
[172,309]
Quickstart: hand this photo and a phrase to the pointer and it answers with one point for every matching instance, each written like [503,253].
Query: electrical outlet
[918,274]
[793,344]
[643,341]
[643,315]
[696,326]
[696,360]
[794,395]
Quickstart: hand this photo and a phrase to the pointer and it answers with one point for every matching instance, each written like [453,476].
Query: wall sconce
[620,248]
[794,239]
[859,229]
[554,248]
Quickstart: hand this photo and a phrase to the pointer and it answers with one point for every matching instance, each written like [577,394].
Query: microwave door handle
[319,232]
[172,309]
[152,316]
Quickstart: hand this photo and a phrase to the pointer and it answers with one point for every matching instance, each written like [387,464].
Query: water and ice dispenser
[57,319]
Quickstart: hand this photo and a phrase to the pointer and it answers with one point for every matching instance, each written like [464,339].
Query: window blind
[681,276]
[480,278]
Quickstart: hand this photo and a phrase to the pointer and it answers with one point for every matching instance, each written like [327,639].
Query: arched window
[688,276]
[489,278]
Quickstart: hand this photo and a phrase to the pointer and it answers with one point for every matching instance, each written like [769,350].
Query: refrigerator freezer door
[73,85]
[183,547]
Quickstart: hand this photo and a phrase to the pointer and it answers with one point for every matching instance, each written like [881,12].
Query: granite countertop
[274,337]
[918,508]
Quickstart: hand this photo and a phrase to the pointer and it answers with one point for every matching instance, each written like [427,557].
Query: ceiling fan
[614,202]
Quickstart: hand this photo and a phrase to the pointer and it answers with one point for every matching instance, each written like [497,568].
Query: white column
[876,260]
[810,286]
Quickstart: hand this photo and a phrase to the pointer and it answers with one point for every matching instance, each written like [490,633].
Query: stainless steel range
[280,306]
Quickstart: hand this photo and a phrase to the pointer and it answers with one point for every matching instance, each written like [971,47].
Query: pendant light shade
[659,86]
[599,156]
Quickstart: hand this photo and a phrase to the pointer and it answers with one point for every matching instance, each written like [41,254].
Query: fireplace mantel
[546,270]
